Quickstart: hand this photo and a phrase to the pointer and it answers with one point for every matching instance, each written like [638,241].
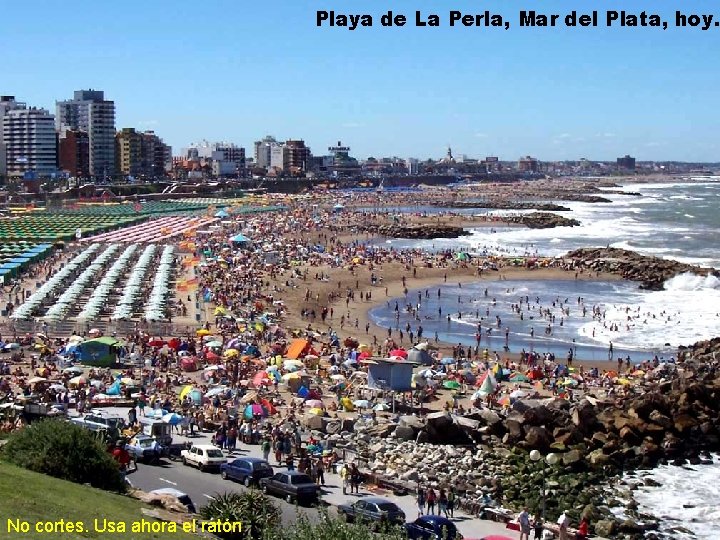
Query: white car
[203,456]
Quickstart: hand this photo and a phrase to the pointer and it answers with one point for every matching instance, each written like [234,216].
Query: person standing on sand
[563,522]
[421,501]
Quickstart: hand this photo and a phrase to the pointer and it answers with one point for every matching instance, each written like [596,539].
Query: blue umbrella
[447,361]
[196,396]
[172,418]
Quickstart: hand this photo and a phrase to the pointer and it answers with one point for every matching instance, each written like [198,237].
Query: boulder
[683,422]
[404,433]
[573,456]
[598,457]
[606,528]
[538,437]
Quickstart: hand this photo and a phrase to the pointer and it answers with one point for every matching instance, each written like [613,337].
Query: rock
[490,417]
[606,528]
[683,422]
[660,419]
[538,437]
[598,457]
[515,429]
[542,220]
[584,416]
[573,456]
[404,433]
[410,476]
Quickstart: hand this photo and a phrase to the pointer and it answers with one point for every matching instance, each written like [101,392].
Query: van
[157,429]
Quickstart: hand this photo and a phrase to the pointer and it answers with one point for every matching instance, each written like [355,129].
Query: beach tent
[298,348]
[239,239]
[419,356]
[99,352]
[395,375]
[221,214]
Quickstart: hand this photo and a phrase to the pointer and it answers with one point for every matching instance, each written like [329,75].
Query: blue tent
[240,239]
[222,214]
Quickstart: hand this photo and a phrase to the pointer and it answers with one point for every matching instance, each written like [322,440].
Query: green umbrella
[451,385]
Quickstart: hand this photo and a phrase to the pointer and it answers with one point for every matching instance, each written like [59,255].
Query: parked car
[145,448]
[373,510]
[248,470]
[292,485]
[432,528]
[101,421]
[157,429]
[203,456]
[183,498]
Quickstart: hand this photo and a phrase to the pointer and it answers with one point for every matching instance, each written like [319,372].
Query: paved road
[201,486]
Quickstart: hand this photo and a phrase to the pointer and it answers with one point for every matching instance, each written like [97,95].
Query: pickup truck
[292,486]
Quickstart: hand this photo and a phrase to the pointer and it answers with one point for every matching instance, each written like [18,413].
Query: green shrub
[255,511]
[330,528]
[63,450]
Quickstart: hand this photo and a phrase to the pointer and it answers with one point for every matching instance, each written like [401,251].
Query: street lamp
[550,459]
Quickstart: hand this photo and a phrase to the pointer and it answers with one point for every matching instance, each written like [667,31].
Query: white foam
[686,311]
[687,497]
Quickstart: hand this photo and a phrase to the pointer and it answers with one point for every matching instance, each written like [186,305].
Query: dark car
[373,510]
[246,470]
[432,528]
[292,485]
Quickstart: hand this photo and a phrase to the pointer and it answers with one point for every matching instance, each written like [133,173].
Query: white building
[89,111]
[263,151]
[277,156]
[29,141]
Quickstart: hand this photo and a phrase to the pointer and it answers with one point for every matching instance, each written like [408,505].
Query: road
[202,486]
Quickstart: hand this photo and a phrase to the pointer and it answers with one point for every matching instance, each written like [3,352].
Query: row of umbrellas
[156,230]
[124,309]
[69,298]
[51,285]
[102,291]
[157,303]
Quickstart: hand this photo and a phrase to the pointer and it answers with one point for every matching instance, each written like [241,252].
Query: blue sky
[234,70]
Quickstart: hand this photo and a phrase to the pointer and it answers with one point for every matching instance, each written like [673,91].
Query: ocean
[676,221]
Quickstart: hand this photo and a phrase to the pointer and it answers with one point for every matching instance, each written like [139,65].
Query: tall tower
[90,112]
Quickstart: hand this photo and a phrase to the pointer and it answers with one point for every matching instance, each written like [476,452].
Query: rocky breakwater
[676,420]
[652,272]
[503,205]
[542,220]
[419,232]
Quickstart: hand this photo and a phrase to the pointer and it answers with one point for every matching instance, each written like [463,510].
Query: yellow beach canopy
[203,332]
[231,353]
[185,391]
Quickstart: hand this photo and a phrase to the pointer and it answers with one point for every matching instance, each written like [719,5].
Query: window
[300,479]
[214,453]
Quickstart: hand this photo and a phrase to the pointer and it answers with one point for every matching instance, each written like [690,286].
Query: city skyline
[556,94]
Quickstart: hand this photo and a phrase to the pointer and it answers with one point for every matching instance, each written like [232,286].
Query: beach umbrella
[220,311]
[185,391]
[78,381]
[269,407]
[447,361]
[401,353]
[202,332]
[212,357]
[156,342]
[58,387]
[315,403]
[361,403]
[172,418]
[289,376]
[73,369]
[214,344]
[196,395]
[36,380]
[519,377]
[216,391]
[381,407]
[623,381]
[231,353]
[261,378]
[451,385]
[316,411]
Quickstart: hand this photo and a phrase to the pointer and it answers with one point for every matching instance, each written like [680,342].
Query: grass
[37,499]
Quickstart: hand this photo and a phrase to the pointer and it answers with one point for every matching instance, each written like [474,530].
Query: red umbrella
[363,355]
[188,364]
[212,358]
[399,352]
[156,342]
[261,378]
[174,344]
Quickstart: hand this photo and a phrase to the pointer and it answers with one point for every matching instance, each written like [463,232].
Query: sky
[236,71]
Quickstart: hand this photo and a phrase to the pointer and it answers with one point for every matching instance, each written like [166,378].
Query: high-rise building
[626,163]
[263,151]
[29,143]
[128,152]
[7,103]
[141,154]
[74,153]
[528,164]
[156,156]
[296,157]
[89,111]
